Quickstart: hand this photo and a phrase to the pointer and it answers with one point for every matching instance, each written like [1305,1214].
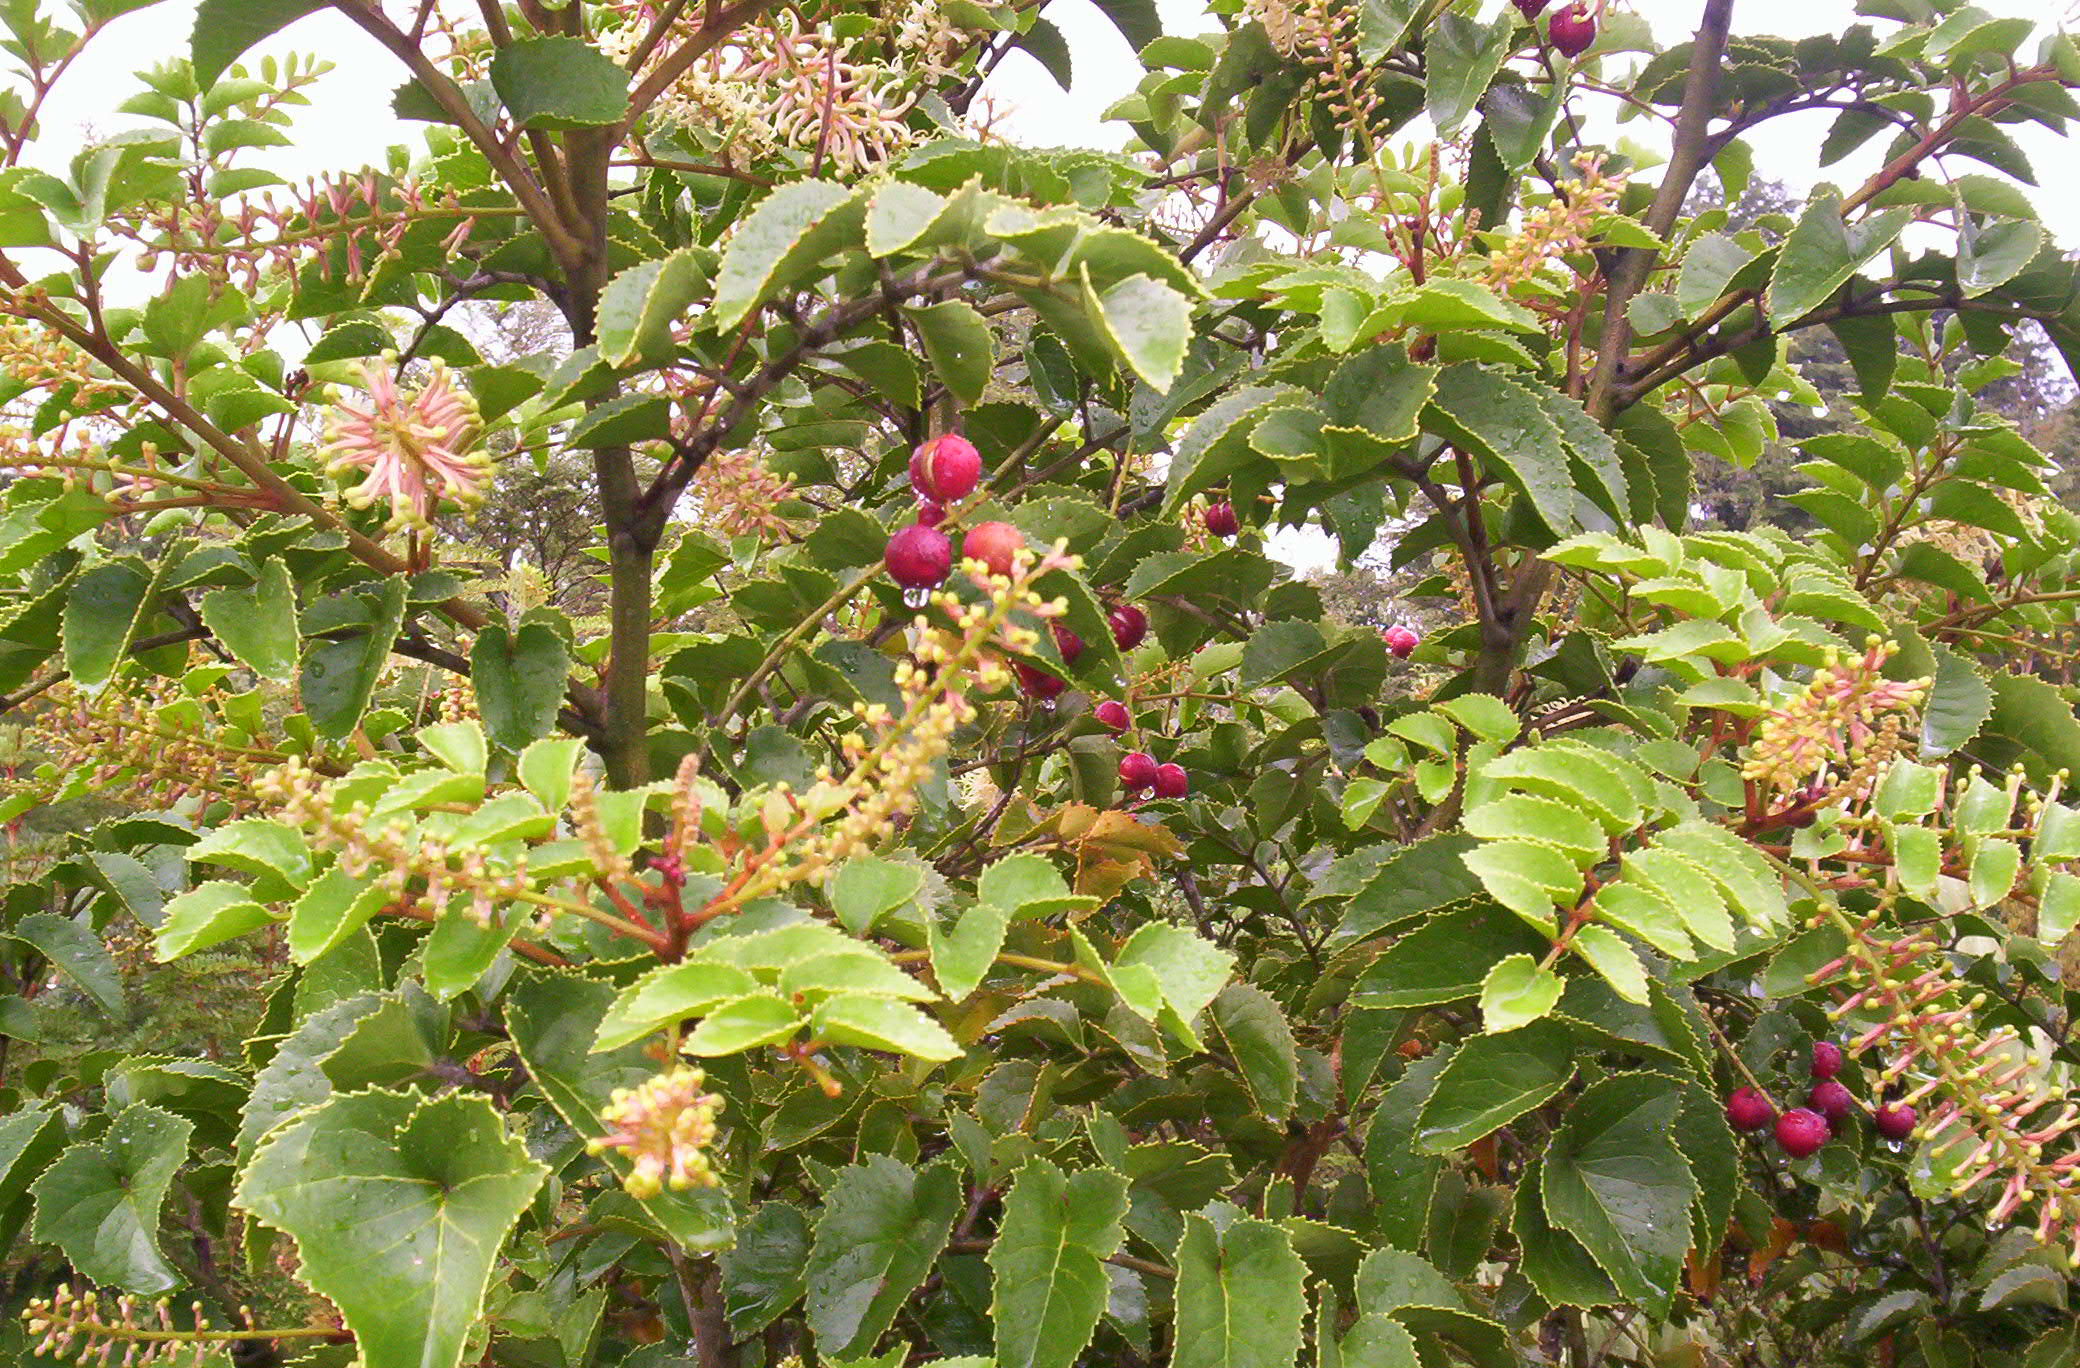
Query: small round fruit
[1036,683]
[1748,1110]
[1531,9]
[918,557]
[1895,1120]
[1113,714]
[994,544]
[1220,520]
[1172,781]
[945,468]
[1129,625]
[1401,640]
[1137,770]
[1827,1059]
[1068,643]
[1831,1100]
[931,514]
[1801,1133]
[1571,30]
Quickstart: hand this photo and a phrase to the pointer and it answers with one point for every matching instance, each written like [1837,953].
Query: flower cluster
[1559,226]
[664,1128]
[741,495]
[418,450]
[36,357]
[1847,721]
[157,743]
[68,1324]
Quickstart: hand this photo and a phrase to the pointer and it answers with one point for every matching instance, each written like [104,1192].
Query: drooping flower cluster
[664,1128]
[418,450]
[1559,226]
[1846,722]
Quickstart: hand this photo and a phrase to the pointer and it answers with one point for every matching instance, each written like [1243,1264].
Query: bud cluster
[419,450]
[663,1127]
[157,743]
[1841,728]
[740,494]
[124,1332]
[1560,226]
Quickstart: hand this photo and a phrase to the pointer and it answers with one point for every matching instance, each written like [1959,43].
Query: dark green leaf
[1491,1081]
[1240,1296]
[100,1201]
[882,1227]
[559,83]
[1048,1261]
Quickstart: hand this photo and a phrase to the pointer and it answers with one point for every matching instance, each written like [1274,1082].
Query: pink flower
[663,1128]
[418,451]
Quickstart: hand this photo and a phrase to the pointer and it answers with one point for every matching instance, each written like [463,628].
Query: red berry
[1827,1059]
[1038,683]
[1801,1132]
[918,556]
[1068,643]
[1831,1100]
[1748,1110]
[1895,1120]
[1137,769]
[1531,8]
[1220,520]
[1113,714]
[1172,782]
[931,514]
[1129,625]
[945,468]
[994,544]
[1571,30]
[1401,641]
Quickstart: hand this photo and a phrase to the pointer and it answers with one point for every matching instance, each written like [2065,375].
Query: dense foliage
[917,881]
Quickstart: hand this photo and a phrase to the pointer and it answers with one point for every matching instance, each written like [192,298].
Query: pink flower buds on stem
[945,469]
[918,557]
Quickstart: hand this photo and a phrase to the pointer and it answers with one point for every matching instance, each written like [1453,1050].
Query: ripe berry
[1531,8]
[1895,1120]
[918,557]
[1831,1100]
[1113,714]
[1129,625]
[1801,1132]
[1571,30]
[1827,1059]
[1036,683]
[1220,520]
[931,514]
[1068,643]
[1748,1110]
[1172,782]
[994,544]
[945,469]
[1137,769]
[1401,641]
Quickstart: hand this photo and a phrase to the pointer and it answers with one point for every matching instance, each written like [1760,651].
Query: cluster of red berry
[945,470]
[1801,1131]
[1570,31]
[1401,640]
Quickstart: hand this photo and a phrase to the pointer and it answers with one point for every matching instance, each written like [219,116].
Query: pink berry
[994,544]
[931,514]
[918,557]
[1801,1132]
[1172,782]
[1038,683]
[1831,1100]
[1895,1120]
[1068,643]
[1531,8]
[1137,770]
[1571,30]
[1113,714]
[945,468]
[1748,1110]
[1220,520]
[1129,625]
[1401,641]
[1827,1059]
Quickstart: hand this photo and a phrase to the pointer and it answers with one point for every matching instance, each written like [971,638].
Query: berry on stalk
[1037,683]
[1113,714]
[1748,1109]
[1831,1100]
[1531,9]
[1401,640]
[1895,1120]
[945,469]
[1068,643]
[1172,781]
[1827,1059]
[1571,30]
[1137,770]
[1129,625]
[1220,519]
[918,557]
[994,544]
[1801,1133]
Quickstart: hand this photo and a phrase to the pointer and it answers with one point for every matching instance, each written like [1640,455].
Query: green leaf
[640,305]
[1520,816]
[207,915]
[77,953]
[559,83]
[1261,1043]
[790,231]
[1609,955]
[1240,1296]
[1403,1178]
[1518,991]
[962,956]
[2038,716]
[1506,425]
[518,680]
[339,676]
[101,613]
[1149,322]
[1614,1180]
[866,889]
[100,1201]
[1491,1081]
[1990,257]
[877,1023]
[1048,1263]
[258,625]
[880,1231]
[1553,1260]
[764,1272]
[1413,879]
[1445,959]
[672,993]
[334,907]
[958,342]
[1822,252]
[225,29]
[1460,58]
[398,1205]
[745,1023]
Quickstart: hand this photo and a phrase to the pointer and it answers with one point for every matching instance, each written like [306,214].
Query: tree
[958,899]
